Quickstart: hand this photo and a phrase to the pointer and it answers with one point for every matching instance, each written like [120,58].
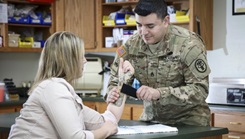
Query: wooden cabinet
[199,9]
[6,109]
[131,111]
[233,120]
[78,16]
[104,9]
[91,105]
[33,29]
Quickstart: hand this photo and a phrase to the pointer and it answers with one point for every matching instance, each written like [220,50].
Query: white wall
[21,67]
[226,59]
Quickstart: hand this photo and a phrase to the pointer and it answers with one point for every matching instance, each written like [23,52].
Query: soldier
[171,65]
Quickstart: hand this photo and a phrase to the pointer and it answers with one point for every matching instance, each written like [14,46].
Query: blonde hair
[62,57]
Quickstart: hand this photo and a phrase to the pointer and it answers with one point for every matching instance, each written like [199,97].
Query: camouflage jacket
[177,67]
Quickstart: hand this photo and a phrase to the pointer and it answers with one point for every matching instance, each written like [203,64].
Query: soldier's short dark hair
[146,7]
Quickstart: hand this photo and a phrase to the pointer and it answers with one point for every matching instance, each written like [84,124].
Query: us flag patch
[121,51]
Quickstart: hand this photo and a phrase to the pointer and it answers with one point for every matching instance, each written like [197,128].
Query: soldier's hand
[147,93]
[113,95]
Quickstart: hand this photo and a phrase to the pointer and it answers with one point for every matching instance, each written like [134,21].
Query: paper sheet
[157,128]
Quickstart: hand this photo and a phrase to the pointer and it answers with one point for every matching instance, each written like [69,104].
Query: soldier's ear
[166,20]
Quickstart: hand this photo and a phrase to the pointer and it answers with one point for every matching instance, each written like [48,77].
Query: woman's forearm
[117,110]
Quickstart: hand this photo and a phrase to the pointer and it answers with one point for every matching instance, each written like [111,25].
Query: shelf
[29,25]
[16,49]
[27,2]
[42,31]
[108,49]
[119,3]
[118,26]
[180,23]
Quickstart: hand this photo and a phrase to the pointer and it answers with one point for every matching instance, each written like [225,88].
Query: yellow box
[183,18]
[129,21]
[26,43]
[180,13]
[107,21]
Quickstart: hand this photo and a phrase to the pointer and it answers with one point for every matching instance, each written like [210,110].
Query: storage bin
[37,20]
[13,40]
[47,20]
[120,19]
[27,42]
[130,21]
[181,16]
[107,21]
[19,20]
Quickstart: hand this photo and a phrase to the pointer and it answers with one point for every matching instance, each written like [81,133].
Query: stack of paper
[157,128]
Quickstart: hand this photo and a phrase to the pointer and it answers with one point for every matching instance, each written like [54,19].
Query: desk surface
[184,131]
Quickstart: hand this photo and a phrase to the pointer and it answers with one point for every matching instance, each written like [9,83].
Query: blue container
[120,19]
[37,20]
[19,20]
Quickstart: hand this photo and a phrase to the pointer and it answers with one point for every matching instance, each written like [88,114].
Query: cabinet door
[137,111]
[203,11]
[91,105]
[77,16]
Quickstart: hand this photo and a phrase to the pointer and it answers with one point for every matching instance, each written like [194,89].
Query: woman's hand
[125,69]
[113,95]
[106,130]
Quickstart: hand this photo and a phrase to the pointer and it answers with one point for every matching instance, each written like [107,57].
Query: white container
[109,42]
[36,45]
[13,40]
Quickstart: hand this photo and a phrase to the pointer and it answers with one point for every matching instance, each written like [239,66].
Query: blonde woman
[53,109]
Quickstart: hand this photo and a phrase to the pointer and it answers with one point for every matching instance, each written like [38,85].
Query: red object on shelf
[42,1]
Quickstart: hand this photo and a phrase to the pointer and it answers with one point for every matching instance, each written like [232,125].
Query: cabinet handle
[235,123]
[233,137]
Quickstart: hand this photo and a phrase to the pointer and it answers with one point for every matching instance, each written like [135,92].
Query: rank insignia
[121,51]
[200,65]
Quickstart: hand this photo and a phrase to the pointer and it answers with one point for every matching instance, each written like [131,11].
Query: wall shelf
[17,49]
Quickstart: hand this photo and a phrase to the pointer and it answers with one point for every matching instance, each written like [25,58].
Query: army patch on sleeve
[121,51]
[200,65]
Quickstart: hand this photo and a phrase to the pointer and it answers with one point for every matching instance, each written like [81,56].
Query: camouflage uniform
[177,67]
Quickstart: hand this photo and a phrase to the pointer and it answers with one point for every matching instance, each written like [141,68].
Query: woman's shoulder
[59,82]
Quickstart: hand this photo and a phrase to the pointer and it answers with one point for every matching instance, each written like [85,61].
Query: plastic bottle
[2,85]
[1,38]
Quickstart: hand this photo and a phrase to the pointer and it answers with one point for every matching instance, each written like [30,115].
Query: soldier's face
[151,28]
